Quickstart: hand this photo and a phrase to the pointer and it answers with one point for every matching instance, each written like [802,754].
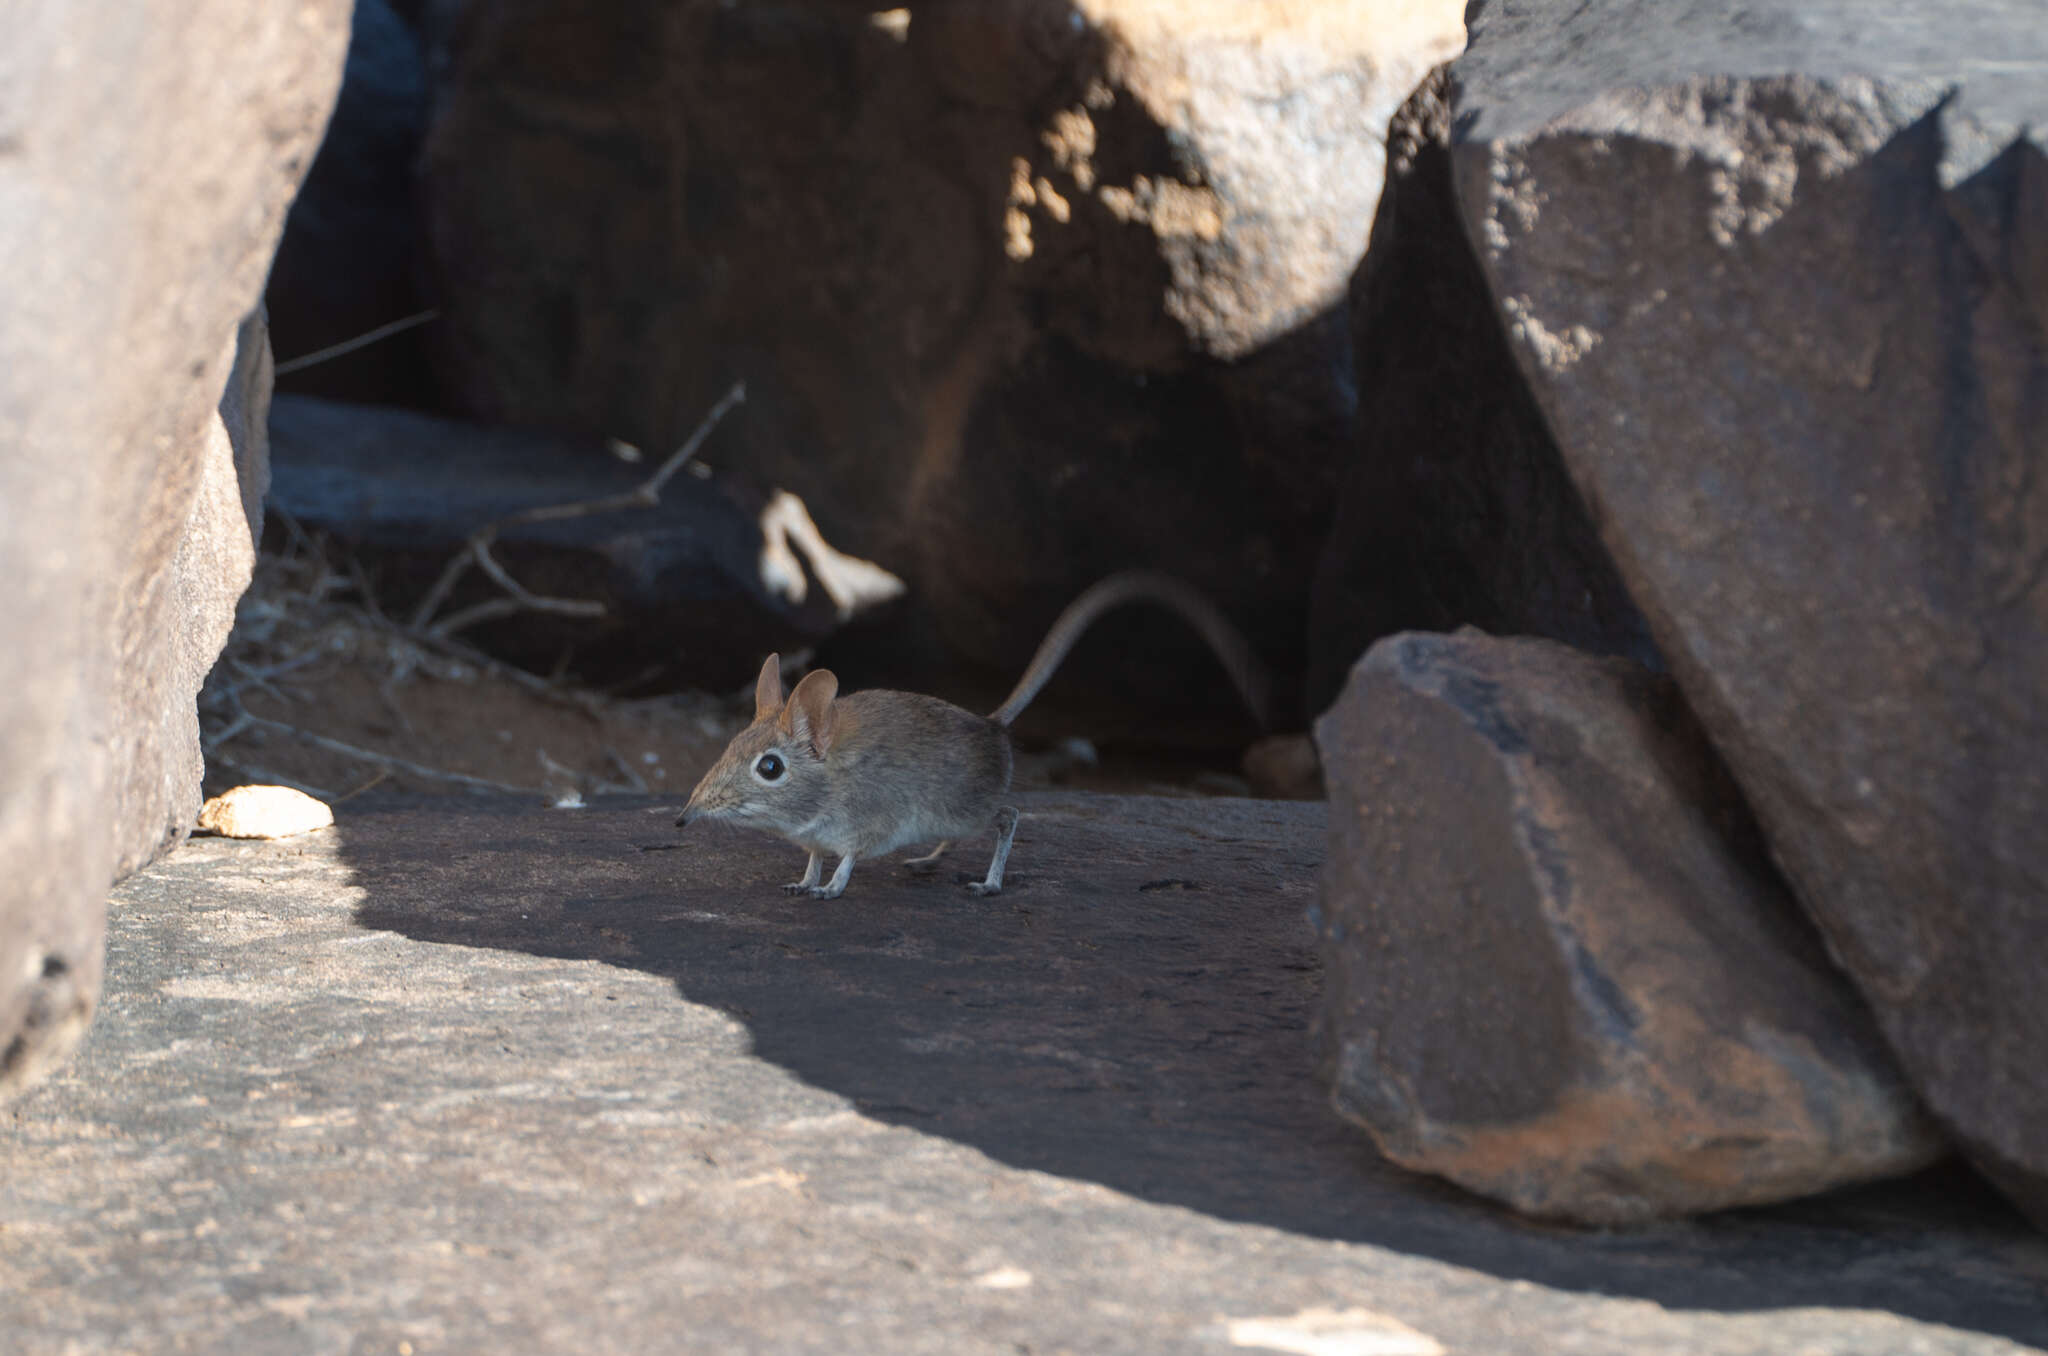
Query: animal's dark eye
[769,767]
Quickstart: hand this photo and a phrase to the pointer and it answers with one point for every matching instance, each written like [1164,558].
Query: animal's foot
[982,887]
[798,887]
[826,891]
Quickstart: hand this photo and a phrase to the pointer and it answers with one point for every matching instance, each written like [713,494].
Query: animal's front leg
[811,874]
[835,887]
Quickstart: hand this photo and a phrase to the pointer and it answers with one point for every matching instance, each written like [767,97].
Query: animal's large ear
[809,713]
[768,687]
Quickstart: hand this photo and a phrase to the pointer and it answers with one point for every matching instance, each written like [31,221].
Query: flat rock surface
[463,1076]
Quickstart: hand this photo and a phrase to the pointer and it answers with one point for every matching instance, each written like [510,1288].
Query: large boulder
[1025,291]
[149,159]
[1560,969]
[1781,289]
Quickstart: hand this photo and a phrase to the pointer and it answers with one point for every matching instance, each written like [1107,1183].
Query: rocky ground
[467,1073]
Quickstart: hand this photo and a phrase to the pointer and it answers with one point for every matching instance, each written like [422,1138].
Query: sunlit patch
[853,584]
[1332,1332]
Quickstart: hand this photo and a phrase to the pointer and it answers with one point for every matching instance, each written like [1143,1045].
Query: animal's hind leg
[1006,829]
[928,863]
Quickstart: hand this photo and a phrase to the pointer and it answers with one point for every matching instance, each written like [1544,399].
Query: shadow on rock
[1132,1011]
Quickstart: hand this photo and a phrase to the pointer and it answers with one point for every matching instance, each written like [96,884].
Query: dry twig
[302,609]
[477,551]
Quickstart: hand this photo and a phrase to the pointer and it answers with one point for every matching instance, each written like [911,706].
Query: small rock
[264,812]
[1561,969]
[1284,767]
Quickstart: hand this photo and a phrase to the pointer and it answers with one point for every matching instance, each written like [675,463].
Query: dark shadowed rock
[696,587]
[981,265]
[1456,508]
[1561,970]
[1781,287]
[349,261]
[147,153]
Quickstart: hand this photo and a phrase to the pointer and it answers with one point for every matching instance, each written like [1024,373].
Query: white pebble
[264,812]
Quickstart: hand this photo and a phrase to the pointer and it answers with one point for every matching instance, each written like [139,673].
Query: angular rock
[698,586]
[1781,289]
[1456,508]
[978,267]
[1561,971]
[149,155]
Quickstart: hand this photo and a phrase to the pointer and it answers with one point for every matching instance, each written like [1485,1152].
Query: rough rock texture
[167,636]
[479,1076]
[1275,115]
[350,261]
[1789,331]
[146,156]
[697,586]
[1456,508]
[1562,971]
[978,264]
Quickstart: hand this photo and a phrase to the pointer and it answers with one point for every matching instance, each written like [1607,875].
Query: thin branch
[383,775]
[443,585]
[571,607]
[270,778]
[464,653]
[363,588]
[321,355]
[485,611]
[633,780]
[477,550]
[241,722]
[385,760]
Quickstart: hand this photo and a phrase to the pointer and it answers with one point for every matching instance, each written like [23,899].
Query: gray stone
[1562,972]
[146,157]
[475,1075]
[1780,286]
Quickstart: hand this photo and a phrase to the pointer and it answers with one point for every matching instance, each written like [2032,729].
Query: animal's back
[915,769]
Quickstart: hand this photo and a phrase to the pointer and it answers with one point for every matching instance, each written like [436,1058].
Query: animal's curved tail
[1254,684]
